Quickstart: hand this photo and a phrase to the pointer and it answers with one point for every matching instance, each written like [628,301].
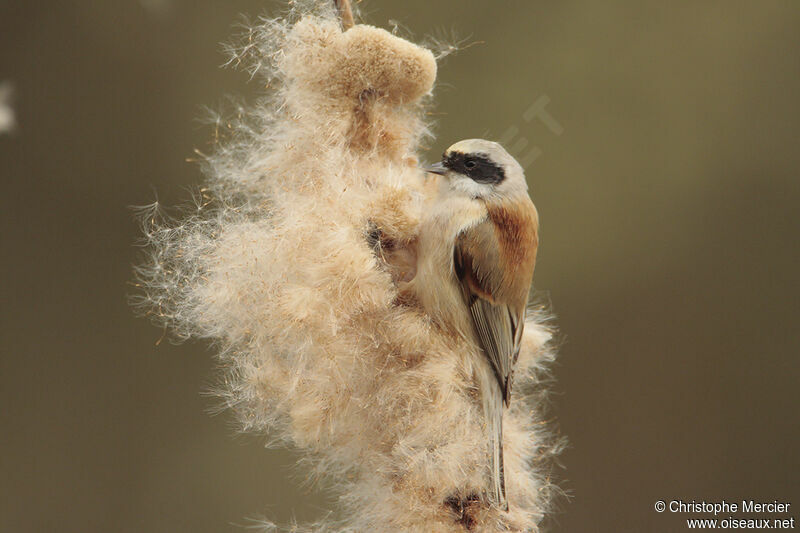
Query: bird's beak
[436,168]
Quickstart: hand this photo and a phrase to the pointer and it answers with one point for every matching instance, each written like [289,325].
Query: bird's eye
[470,163]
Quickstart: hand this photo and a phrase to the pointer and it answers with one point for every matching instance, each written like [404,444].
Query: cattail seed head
[277,268]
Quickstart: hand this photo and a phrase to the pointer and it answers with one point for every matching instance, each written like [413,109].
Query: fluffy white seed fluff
[290,263]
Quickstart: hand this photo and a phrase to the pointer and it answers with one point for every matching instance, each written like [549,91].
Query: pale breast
[435,284]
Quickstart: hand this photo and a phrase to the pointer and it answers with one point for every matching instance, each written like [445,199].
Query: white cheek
[468,187]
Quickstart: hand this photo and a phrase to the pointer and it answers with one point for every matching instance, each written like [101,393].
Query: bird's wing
[496,302]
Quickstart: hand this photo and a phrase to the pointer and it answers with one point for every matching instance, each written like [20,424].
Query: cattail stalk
[289,265]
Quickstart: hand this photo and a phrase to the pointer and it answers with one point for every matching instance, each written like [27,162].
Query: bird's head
[480,169]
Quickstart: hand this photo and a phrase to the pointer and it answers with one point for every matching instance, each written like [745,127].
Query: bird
[476,253]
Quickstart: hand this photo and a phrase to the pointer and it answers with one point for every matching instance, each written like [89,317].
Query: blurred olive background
[669,207]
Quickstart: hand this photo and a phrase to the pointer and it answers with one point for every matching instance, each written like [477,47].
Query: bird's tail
[494,422]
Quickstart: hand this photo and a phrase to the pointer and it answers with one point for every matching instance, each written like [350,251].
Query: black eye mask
[476,166]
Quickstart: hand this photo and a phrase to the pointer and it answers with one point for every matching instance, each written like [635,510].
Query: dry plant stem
[345,13]
[290,264]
